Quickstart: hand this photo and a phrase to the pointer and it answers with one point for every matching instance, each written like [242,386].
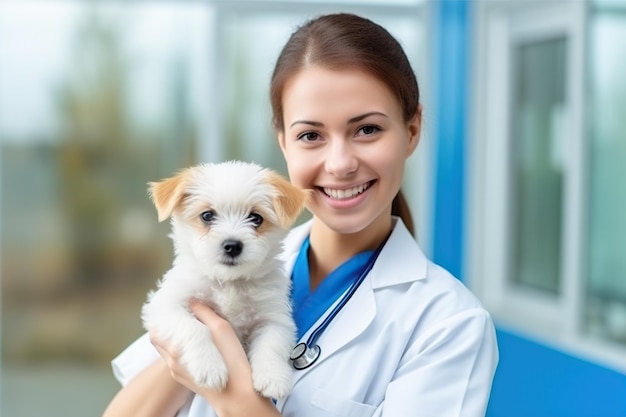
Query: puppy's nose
[232,247]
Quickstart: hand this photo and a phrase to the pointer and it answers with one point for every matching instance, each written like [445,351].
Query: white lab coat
[412,341]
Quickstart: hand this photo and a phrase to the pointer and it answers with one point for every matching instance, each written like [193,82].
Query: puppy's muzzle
[232,248]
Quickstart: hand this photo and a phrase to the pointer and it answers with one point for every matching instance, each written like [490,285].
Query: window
[547,238]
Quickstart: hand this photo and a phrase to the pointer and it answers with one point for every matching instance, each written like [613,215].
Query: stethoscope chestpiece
[303,356]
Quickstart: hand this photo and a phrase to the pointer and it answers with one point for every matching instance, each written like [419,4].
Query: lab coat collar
[393,266]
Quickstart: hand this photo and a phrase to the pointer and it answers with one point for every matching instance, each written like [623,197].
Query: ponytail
[400,208]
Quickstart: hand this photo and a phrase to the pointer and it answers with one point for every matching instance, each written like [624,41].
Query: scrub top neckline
[309,306]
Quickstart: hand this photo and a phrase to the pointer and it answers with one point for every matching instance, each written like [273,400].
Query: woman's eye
[369,130]
[207,216]
[309,137]
[255,218]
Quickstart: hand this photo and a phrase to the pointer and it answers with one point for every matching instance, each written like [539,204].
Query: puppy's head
[228,219]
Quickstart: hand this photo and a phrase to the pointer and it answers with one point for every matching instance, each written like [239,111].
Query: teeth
[344,194]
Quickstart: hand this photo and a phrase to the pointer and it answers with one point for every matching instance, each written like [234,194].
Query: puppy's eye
[255,218]
[207,216]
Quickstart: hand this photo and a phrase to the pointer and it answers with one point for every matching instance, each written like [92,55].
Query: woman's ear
[414,130]
[280,136]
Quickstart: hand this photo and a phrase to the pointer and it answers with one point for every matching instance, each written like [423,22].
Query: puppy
[228,221]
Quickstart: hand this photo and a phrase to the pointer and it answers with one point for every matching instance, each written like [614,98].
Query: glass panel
[95,101]
[537,164]
[606,309]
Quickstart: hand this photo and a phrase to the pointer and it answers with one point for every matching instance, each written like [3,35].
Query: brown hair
[339,41]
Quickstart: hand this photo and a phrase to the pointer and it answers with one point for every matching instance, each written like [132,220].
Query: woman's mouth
[345,194]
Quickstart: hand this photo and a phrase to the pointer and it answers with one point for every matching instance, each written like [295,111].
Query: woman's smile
[346,198]
[346,193]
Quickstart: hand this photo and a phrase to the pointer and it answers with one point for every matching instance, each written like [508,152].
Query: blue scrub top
[309,306]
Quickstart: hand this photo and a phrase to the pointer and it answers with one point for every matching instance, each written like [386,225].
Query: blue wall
[535,380]
[532,380]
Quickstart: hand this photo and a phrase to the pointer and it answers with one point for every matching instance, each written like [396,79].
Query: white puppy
[228,221]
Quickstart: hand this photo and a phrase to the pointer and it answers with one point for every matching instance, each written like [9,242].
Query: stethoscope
[306,354]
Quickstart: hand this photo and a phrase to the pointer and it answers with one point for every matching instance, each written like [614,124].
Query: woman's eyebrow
[307,122]
[355,119]
[363,116]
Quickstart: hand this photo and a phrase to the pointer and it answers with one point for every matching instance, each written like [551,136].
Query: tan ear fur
[167,194]
[289,201]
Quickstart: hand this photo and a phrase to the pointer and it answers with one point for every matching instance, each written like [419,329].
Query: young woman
[411,340]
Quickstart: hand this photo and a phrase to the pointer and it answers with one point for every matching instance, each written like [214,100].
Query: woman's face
[345,138]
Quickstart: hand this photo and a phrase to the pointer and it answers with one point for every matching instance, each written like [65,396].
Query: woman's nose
[341,159]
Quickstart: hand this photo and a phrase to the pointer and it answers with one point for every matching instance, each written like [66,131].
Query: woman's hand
[238,398]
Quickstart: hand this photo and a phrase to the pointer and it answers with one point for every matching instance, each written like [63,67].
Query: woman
[412,340]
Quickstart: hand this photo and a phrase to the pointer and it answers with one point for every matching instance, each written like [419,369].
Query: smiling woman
[347,115]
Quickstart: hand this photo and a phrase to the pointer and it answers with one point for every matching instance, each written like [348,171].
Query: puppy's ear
[289,200]
[167,194]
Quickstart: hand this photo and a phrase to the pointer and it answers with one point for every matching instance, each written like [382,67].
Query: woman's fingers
[171,357]
[225,339]
[204,313]
[229,346]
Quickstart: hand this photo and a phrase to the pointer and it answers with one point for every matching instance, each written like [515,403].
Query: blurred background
[517,187]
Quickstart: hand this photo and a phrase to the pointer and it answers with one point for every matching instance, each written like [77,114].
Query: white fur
[252,294]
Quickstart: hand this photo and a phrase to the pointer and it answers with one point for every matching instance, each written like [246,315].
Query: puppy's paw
[208,371]
[272,380]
